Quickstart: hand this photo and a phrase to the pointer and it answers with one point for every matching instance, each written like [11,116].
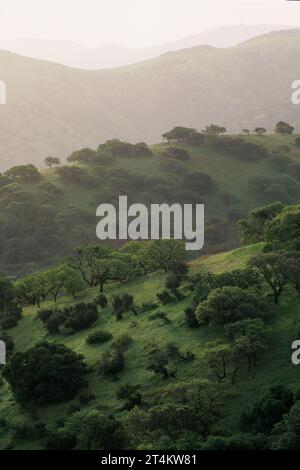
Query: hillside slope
[42,220]
[273,368]
[53,109]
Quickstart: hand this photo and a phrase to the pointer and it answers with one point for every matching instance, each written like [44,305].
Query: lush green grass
[274,367]
[234,259]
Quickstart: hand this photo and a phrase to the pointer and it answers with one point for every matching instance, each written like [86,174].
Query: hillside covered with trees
[45,214]
[134,345]
[52,109]
[176,356]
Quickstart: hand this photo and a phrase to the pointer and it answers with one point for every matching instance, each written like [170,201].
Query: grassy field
[274,367]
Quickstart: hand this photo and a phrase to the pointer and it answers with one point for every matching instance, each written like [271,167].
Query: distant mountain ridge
[52,109]
[115,55]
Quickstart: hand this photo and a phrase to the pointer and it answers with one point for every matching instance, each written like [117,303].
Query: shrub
[190,317]
[75,318]
[85,398]
[98,336]
[44,314]
[82,316]
[172,350]
[75,175]
[9,322]
[177,153]
[173,283]
[147,307]
[281,162]
[49,191]
[159,364]
[201,285]
[121,303]
[130,394]
[173,166]
[127,301]
[112,362]
[142,150]
[122,342]
[199,182]
[165,297]
[101,300]
[54,322]
[238,148]
[14,311]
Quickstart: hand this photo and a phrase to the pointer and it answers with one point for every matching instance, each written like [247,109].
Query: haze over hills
[52,109]
[115,55]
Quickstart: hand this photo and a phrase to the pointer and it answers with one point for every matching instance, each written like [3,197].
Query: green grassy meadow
[274,367]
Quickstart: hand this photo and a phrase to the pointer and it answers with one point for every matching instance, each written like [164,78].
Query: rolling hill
[52,109]
[117,55]
[273,368]
[44,219]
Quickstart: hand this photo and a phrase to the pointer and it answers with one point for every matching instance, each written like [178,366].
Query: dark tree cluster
[28,374]
[113,361]
[70,319]
[177,153]
[202,284]
[279,227]
[76,175]
[180,134]
[282,188]
[238,148]
[40,285]
[23,173]
[163,363]
[131,396]
[230,304]
[122,303]
[10,310]
[118,149]
[246,342]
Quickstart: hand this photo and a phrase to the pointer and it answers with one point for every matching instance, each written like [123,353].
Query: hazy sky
[134,22]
